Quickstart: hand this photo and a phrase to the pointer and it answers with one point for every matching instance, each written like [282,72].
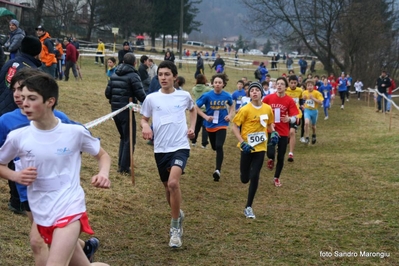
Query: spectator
[59,54]
[152,71]
[389,92]
[169,56]
[143,73]
[70,59]
[75,43]
[111,63]
[383,83]
[218,64]
[289,63]
[100,52]
[313,65]
[200,66]
[13,43]
[47,56]
[123,85]
[125,49]
[303,65]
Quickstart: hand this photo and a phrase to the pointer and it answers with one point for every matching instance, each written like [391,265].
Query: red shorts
[47,231]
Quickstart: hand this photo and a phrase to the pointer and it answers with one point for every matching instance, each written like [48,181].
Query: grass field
[340,195]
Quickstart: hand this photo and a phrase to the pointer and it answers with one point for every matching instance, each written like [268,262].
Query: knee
[37,244]
[173,185]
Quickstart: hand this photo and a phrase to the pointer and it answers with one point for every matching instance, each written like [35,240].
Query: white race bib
[215,117]
[310,103]
[256,138]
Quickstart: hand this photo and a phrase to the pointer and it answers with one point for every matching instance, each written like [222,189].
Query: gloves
[274,136]
[246,148]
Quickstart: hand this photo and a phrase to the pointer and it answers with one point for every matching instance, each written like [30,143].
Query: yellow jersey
[309,103]
[253,121]
[296,95]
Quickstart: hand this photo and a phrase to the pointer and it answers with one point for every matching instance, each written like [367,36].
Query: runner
[313,99]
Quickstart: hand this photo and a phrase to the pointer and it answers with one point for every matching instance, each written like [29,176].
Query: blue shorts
[165,161]
[311,115]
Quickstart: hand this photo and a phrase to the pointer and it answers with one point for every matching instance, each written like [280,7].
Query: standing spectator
[303,65]
[153,68]
[100,51]
[13,43]
[383,83]
[263,72]
[70,59]
[30,49]
[143,73]
[289,63]
[171,154]
[111,63]
[47,56]
[390,90]
[59,54]
[236,58]
[359,88]
[123,85]
[199,89]
[218,64]
[274,62]
[313,65]
[169,56]
[126,49]
[75,43]
[200,66]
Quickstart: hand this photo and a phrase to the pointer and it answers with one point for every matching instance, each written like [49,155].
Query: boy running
[285,112]
[296,94]
[312,100]
[250,126]
[326,90]
[238,94]
[167,107]
[50,155]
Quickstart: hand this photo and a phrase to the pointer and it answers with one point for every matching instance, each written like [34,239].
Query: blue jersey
[237,95]
[342,84]
[326,91]
[216,106]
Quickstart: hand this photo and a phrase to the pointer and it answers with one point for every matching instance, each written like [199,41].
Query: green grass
[339,195]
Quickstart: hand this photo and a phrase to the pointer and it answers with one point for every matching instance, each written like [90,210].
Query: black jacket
[124,84]
[144,76]
[22,60]
[385,81]
[121,54]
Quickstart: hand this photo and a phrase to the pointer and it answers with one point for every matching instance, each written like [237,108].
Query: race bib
[256,138]
[310,103]
[215,117]
[325,94]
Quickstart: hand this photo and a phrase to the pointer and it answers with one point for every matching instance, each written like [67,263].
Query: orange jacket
[47,56]
[60,50]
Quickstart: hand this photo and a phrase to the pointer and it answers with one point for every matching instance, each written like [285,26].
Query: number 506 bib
[256,138]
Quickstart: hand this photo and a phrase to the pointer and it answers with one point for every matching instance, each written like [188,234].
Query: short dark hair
[293,77]
[265,83]
[129,58]
[284,79]
[114,60]
[143,58]
[170,65]
[180,81]
[44,84]
[23,74]
[200,79]
[240,81]
[222,76]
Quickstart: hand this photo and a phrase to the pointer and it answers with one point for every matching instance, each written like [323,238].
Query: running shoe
[291,157]
[302,140]
[175,238]
[342,107]
[277,182]
[91,246]
[313,139]
[325,118]
[181,219]
[270,164]
[249,213]
[216,175]
[307,140]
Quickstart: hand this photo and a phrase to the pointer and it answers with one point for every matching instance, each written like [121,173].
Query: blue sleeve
[230,99]
[3,132]
[201,101]
[63,117]
[234,96]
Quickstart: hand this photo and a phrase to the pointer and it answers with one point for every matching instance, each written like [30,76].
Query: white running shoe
[302,140]
[325,118]
[175,238]
[249,213]
[342,107]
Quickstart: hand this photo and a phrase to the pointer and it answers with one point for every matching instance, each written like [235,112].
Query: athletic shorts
[311,115]
[165,161]
[47,231]
[295,124]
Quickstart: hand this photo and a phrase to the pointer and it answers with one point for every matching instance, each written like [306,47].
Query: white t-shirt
[168,112]
[56,193]
[358,86]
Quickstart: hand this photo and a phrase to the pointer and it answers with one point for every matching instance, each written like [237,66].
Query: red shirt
[286,106]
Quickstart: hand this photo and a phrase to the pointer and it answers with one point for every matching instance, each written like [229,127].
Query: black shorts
[296,124]
[165,161]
